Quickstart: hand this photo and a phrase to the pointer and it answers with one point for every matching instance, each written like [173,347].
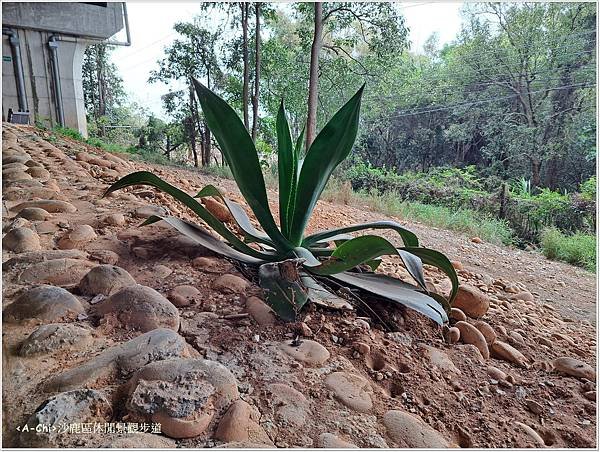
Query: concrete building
[42,53]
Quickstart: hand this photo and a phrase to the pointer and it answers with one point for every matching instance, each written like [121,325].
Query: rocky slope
[121,336]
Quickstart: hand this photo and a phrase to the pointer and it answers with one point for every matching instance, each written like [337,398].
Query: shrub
[577,249]
[294,268]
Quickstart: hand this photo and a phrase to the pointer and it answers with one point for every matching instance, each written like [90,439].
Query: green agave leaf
[336,238]
[284,294]
[408,237]
[309,258]
[331,146]
[147,178]
[374,263]
[240,153]
[204,238]
[287,167]
[323,297]
[395,291]
[296,172]
[238,213]
[439,260]
[364,249]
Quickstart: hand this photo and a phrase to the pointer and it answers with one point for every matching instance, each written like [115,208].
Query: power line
[466,104]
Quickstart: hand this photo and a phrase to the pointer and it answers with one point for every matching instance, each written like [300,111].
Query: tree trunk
[536,167]
[245,90]
[256,73]
[313,84]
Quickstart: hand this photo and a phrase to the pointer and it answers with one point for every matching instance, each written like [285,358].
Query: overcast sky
[151,26]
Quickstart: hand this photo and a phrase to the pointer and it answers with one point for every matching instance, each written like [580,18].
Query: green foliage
[588,189]
[287,259]
[69,133]
[577,249]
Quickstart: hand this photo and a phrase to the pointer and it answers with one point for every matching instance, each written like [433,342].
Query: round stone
[351,390]
[148,211]
[471,301]
[411,431]
[54,337]
[20,240]
[183,395]
[34,214]
[105,280]
[49,205]
[574,368]
[115,219]
[309,352]
[78,236]
[184,295]
[47,304]
[230,284]
[140,308]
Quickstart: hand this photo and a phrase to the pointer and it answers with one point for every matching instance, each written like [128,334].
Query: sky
[151,27]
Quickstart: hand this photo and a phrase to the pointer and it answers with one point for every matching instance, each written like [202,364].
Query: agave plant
[294,268]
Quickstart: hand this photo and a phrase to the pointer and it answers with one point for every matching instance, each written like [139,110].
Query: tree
[103,91]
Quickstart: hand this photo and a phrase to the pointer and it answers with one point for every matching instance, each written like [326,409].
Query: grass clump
[390,203]
[577,249]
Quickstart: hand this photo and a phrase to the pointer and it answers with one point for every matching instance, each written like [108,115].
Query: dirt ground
[453,395]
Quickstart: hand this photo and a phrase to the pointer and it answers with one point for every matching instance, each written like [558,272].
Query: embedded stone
[59,272]
[240,424]
[292,408]
[49,205]
[123,359]
[331,441]
[351,390]
[148,211]
[260,311]
[439,359]
[183,395]
[105,280]
[47,304]
[34,214]
[54,337]
[574,368]
[141,308]
[505,352]
[230,284]
[184,295]
[115,219]
[309,352]
[78,236]
[408,430]
[20,240]
[78,406]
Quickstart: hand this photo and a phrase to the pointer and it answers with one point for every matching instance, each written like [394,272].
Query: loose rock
[439,359]
[115,219]
[471,335]
[457,314]
[574,368]
[504,351]
[471,301]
